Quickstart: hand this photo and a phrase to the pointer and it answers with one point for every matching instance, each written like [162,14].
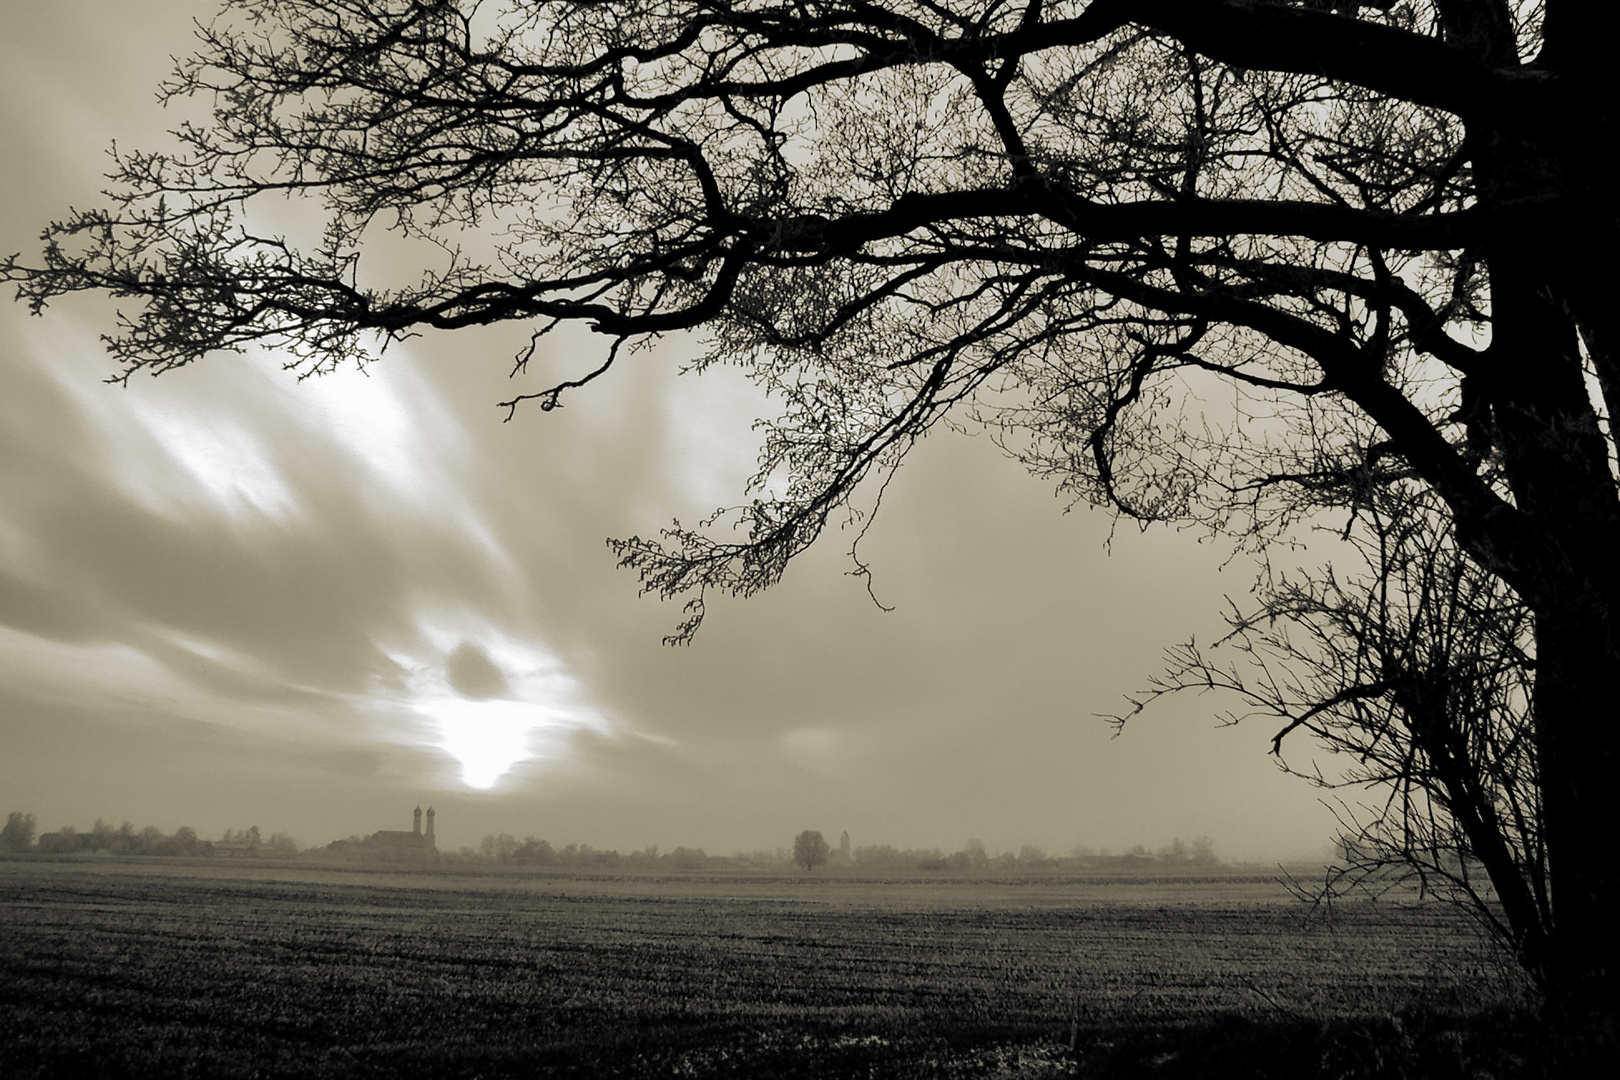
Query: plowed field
[165,969]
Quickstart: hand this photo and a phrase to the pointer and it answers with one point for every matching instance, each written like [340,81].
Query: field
[168,969]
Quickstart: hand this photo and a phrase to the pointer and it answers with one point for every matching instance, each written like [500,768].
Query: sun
[493,702]
[488,738]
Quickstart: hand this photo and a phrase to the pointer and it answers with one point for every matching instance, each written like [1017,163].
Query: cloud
[472,674]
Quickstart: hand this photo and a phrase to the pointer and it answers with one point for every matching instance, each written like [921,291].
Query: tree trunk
[1556,458]
[1557,464]
[1578,732]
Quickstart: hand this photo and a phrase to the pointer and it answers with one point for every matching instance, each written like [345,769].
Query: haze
[229,599]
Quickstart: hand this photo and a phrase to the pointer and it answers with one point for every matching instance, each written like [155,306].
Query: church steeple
[430,843]
[416,822]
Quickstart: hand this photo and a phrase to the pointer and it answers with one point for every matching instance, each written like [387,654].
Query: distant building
[243,845]
[393,845]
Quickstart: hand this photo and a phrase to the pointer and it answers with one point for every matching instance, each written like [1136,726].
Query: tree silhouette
[1419,672]
[810,849]
[1230,262]
[18,832]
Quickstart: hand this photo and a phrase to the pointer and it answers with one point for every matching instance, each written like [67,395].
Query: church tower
[431,846]
[416,822]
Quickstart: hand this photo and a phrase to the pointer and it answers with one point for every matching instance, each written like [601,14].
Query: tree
[1228,262]
[64,841]
[1419,671]
[18,832]
[499,848]
[1174,852]
[810,849]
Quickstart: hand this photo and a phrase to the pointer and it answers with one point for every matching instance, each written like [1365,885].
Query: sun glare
[493,702]
[487,738]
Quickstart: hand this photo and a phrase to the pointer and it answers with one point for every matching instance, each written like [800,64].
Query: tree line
[530,851]
[811,850]
[19,835]
[505,849]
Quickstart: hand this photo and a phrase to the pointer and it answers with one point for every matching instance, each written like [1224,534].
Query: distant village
[418,846]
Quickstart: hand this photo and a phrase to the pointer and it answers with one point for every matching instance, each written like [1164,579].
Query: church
[394,845]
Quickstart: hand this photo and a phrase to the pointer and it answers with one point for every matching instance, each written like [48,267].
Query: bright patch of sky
[489,738]
[491,700]
[103,670]
[393,422]
[157,445]
[229,462]
[396,428]
[705,459]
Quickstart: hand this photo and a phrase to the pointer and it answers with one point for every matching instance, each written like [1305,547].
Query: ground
[167,968]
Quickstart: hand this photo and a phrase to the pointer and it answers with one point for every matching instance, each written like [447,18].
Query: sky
[229,598]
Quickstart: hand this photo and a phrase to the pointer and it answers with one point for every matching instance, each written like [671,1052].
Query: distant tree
[499,847]
[685,858]
[18,833]
[249,836]
[879,855]
[810,849]
[535,851]
[64,841]
[103,836]
[1175,852]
